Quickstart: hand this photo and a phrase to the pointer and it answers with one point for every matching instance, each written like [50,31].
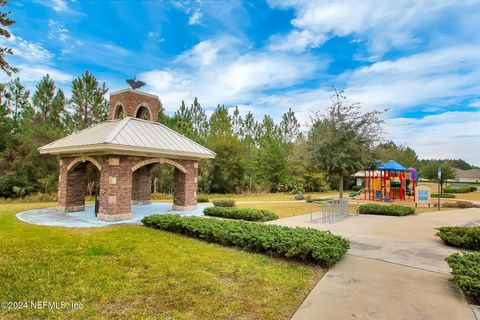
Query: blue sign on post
[439,173]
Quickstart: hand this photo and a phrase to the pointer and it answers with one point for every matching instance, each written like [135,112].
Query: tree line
[253,155]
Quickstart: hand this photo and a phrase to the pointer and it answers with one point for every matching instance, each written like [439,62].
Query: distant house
[472,175]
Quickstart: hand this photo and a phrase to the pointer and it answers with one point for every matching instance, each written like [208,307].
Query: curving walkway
[86,218]
[395,269]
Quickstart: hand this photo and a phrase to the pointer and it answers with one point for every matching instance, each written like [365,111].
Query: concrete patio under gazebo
[123,150]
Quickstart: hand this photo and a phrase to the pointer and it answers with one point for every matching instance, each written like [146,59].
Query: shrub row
[310,200]
[224,203]
[443,195]
[303,244]
[247,214]
[465,189]
[202,199]
[466,273]
[387,210]
[460,204]
[462,237]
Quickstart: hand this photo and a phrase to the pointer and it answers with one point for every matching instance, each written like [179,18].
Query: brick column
[71,187]
[115,188]
[185,186]
[142,186]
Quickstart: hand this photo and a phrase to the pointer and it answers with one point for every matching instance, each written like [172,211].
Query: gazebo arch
[142,179]
[77,160]
[143,107]
[159,160]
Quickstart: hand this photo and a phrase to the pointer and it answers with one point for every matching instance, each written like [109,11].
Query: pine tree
[5,21]
[199,121]
[88,101]
[289,127]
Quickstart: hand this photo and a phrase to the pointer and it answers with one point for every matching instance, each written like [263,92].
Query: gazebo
[124,149]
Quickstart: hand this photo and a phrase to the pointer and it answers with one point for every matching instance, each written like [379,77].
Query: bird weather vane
[134,84]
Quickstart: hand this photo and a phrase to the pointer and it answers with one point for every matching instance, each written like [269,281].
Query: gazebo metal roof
[129,136]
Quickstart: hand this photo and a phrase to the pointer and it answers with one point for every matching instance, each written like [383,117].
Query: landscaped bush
[460,204]
[443,195]
[247,214]
[462,237]
[224,203]
[310,200]
[457,190]
[304,244]
[466,273]
[202,199]
[387,210]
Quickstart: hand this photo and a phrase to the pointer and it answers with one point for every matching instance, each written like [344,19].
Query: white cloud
[58,31]
[32,60]
[195,17]
[297,41]
[29,51]
[59,5]
[202,54]
[37,72]
[229,80]
[446,135]
[383,24]
[207,52]
[442,76]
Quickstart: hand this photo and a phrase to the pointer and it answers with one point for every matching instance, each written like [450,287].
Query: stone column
[185,186]
[142,186]
[71,187]
[115,188]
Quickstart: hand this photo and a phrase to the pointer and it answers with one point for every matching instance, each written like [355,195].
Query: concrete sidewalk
[395,269]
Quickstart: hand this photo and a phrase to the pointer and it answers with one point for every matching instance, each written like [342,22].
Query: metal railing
[331,210]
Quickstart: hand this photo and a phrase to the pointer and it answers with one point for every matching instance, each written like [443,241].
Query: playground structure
[389,182]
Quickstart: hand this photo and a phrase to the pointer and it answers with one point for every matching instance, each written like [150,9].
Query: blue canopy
[392,166]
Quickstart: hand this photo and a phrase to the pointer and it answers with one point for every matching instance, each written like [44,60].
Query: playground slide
[356,193]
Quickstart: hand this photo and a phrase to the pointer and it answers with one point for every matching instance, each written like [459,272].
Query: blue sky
[421,59]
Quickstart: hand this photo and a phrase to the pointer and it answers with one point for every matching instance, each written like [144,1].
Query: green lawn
[127,272]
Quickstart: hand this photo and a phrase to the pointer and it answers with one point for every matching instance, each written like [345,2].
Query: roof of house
[472,173]
[129,136]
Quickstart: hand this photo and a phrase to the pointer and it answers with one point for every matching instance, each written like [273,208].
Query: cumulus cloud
[37,72]
[384,25]
[233,79]
[195,17]
[297,41]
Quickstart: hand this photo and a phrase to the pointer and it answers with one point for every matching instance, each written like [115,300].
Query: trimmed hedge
[202,199]
[443,195]
[386,210]
[310,200]
[462,237]
[466,273]
[303,244]
[247,214]
[466,189]
[460,204]
[224,203]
